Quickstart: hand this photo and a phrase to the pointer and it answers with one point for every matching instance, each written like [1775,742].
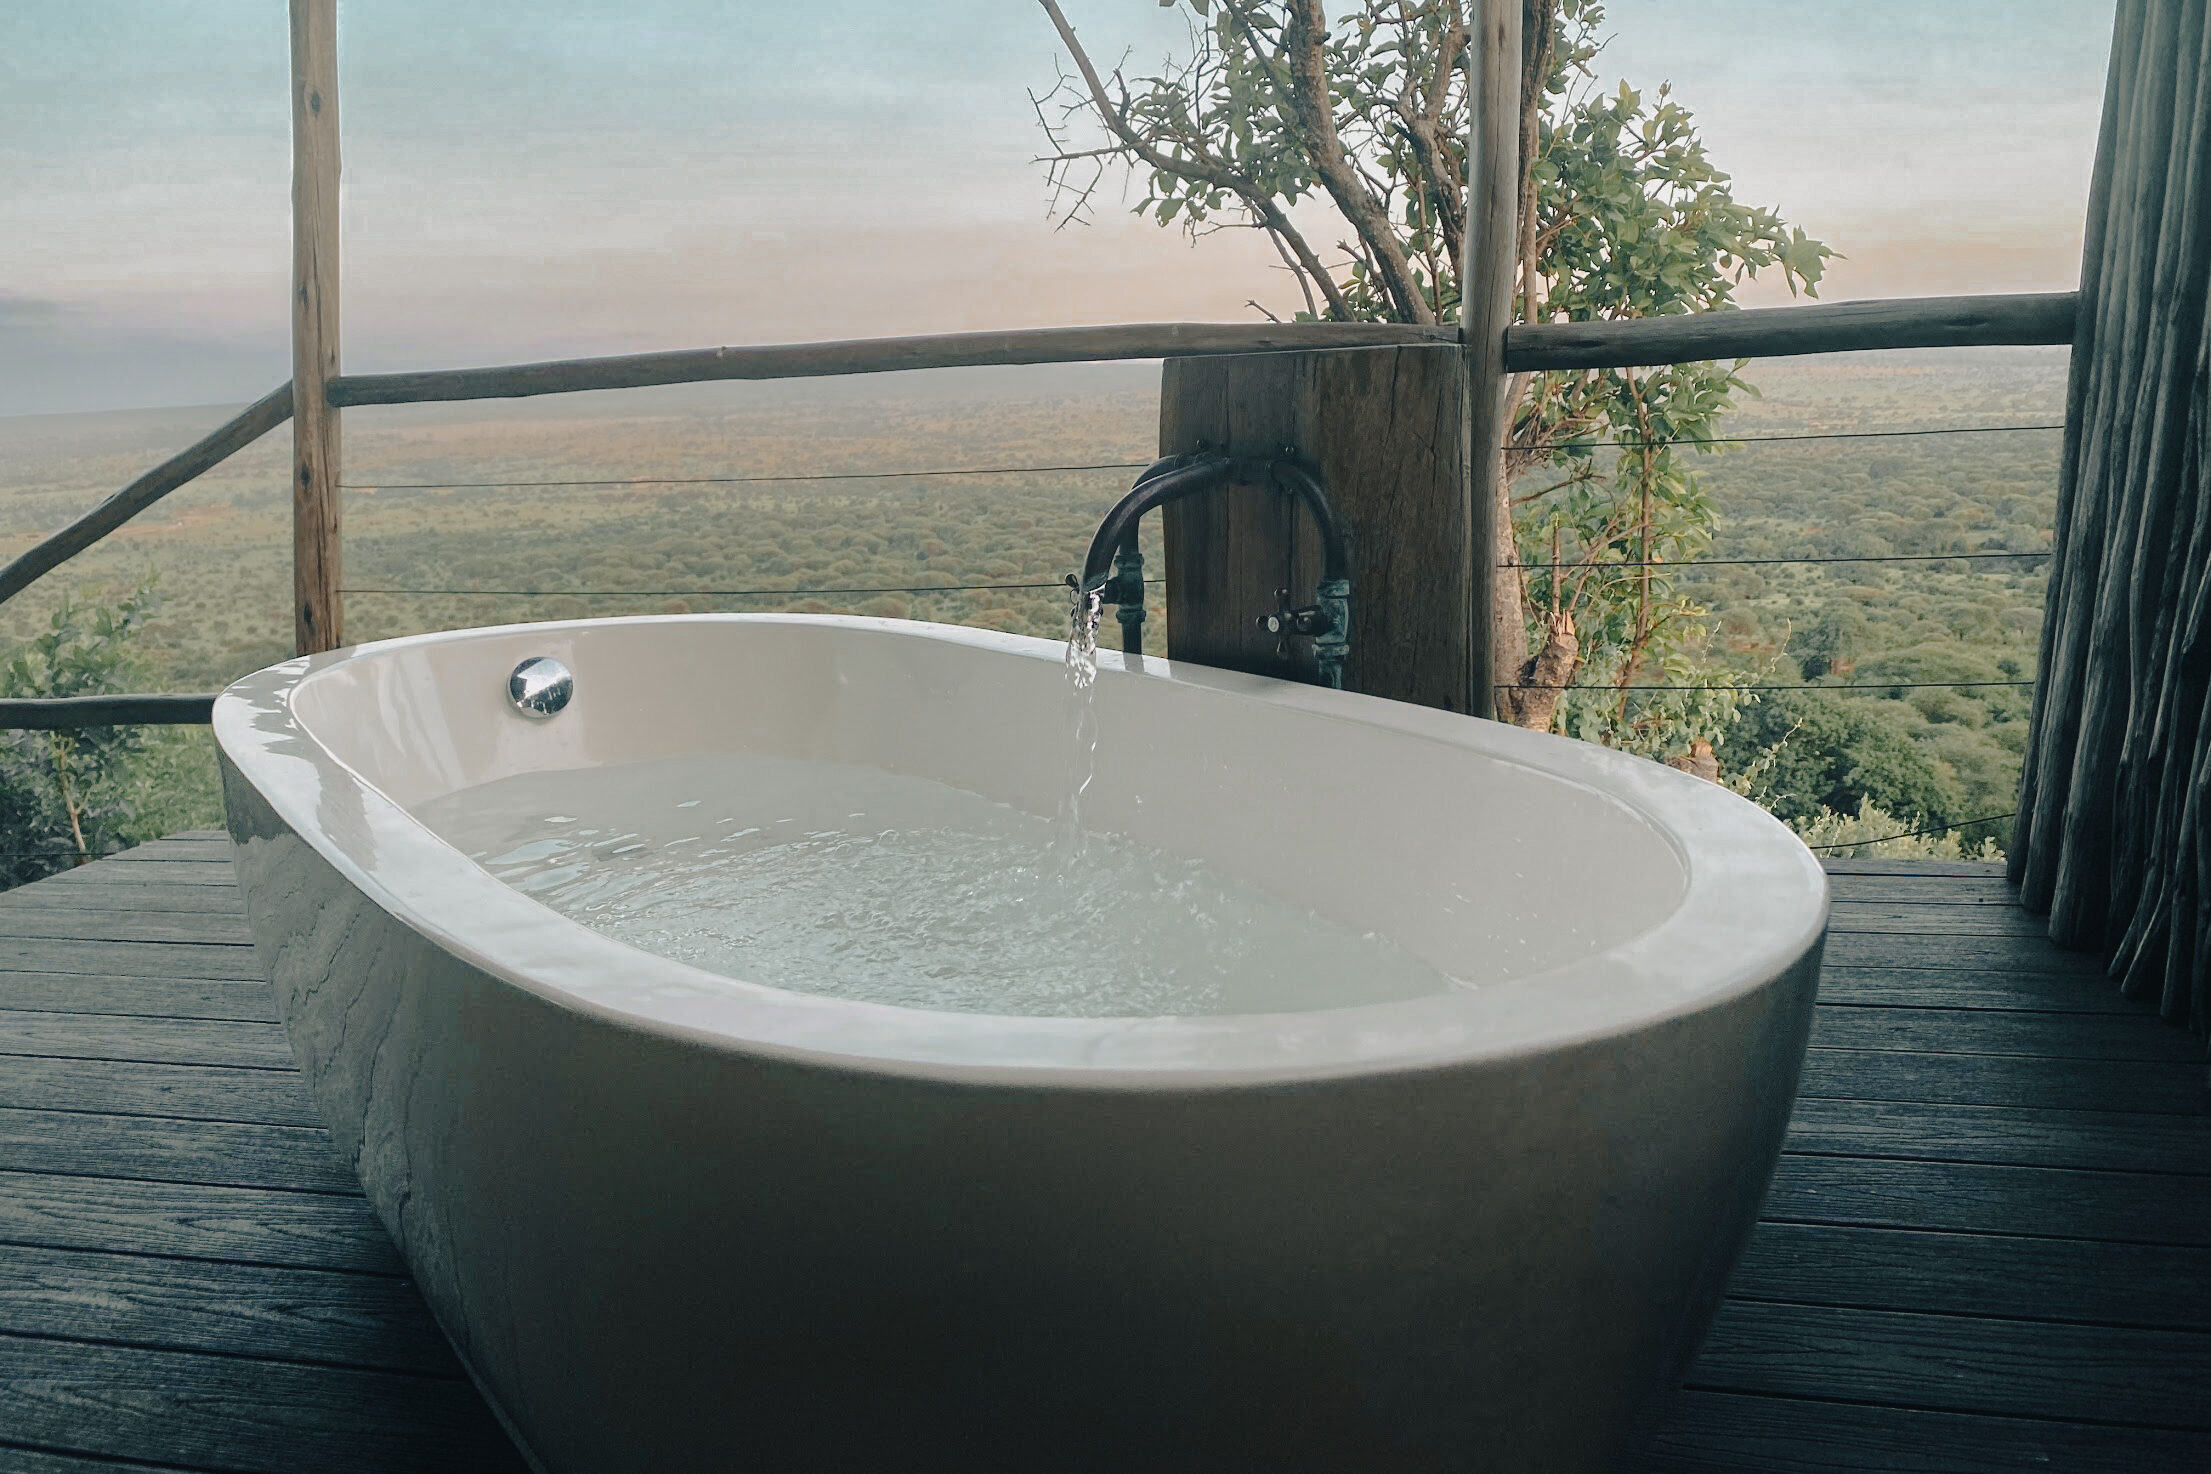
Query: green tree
[67,797]
[1281,121]
[1827,643]
[1820,755]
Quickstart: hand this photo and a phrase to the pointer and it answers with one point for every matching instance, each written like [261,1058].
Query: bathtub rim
[1753,911]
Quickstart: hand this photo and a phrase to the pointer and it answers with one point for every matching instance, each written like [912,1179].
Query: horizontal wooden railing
[1768,332]
[2026,318]
[67,713]
[235,434]
[1760,332]
[878,356]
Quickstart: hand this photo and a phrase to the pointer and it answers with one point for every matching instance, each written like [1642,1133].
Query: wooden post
[1485,308]
[317,622]
[1386,427]
[2113,832]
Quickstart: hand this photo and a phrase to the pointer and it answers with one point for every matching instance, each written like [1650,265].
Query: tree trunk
[1543,678]
[68,798]
[2113,837]
[1508,615]
[1526,703]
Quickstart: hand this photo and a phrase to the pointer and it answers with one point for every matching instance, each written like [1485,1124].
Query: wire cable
[1869,688]
[1851,844]
[1140,465]
[739,480]
[955,588]
[1695,563]
[930,588]
[1776,439]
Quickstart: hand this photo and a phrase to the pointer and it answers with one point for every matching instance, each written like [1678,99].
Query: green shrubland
[70,797]
[1874,740]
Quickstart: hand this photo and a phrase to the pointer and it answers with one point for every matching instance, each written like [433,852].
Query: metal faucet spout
[1113,570]
[1166,480]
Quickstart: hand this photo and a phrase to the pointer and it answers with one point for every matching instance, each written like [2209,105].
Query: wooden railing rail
[2032,318]
[1765,332]
[1757,332]
[68,713]
[233,435]
[877,356]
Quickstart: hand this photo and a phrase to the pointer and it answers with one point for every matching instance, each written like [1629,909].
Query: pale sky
[539,178]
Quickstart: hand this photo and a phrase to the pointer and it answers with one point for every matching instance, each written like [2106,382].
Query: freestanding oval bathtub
[676,1221]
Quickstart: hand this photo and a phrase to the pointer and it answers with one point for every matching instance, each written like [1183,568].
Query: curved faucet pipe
[1306,487]
[1172,478]
[1113,569]
[1163,465]
[1168,479]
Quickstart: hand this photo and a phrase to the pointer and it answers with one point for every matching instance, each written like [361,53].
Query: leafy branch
[1279,120]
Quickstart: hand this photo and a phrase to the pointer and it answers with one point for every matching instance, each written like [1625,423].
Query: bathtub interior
[1478,864]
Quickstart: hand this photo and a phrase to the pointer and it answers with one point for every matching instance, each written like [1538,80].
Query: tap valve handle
[1307,620]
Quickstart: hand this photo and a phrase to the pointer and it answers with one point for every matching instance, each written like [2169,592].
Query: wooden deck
[1988,1247]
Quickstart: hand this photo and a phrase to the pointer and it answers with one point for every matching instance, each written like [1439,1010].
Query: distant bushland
[1871,633]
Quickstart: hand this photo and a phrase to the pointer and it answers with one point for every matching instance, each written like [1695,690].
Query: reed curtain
[2113,838]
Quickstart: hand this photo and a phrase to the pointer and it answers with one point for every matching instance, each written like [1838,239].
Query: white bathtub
[673,1221]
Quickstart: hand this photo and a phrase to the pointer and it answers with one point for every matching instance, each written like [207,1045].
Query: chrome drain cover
[540,687]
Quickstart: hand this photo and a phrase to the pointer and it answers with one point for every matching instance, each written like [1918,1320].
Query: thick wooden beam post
[2113,834]
[1485,309]
[317,622]
[1386,429]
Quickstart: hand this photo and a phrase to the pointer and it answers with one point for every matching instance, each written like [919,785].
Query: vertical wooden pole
[316,618]
[1385,428]
[1485,308]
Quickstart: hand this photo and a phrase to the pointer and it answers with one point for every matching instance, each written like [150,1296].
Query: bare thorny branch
[1062,160]
[1194,161]
[1289,42]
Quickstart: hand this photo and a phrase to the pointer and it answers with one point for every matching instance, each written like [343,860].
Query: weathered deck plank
[1905,987]
[233,1413]
[192,1220]
[1948,952]
[1715,1431]
[1941,890]
[1988,1031]
[35,1461]
[1964,869]
[176,1041]
[111,924]
[1960,1363]
[74,888]
[2171,1086]
[1988,1246]
[189,1278]
[167,872]
[1930,918]
[318,1315]
[150,1149]
[268,1097]
[2019,1136]
[79,992]
[127,959]
[1967,1197]
[2004,1275]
